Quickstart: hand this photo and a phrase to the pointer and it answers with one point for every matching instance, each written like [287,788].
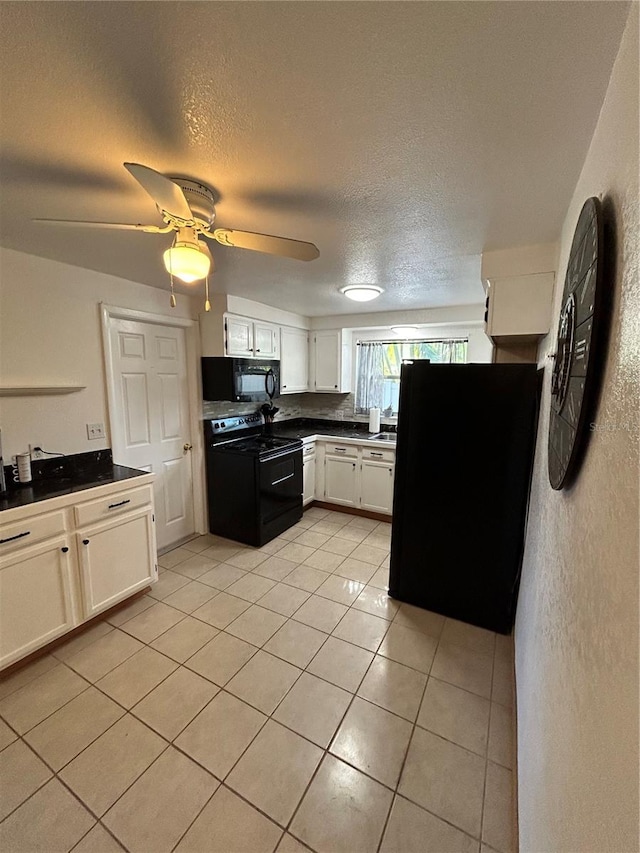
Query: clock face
[574,371]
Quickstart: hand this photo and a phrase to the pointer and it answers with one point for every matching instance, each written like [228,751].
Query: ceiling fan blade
[166,194]
[123,226]
[266,243]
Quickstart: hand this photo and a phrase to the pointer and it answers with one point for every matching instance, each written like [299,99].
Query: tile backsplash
[335,407]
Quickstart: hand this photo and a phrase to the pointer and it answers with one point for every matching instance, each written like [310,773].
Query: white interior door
[150,421]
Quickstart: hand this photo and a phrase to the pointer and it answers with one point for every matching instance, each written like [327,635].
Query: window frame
[404,356]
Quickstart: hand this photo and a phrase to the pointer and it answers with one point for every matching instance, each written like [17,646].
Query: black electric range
[254,480]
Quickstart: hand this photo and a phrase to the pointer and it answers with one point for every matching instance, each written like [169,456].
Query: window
[378,369]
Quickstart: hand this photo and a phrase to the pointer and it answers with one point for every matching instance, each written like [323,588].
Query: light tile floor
[262,699]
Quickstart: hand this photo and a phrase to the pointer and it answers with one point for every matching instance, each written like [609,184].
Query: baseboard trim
[350,510]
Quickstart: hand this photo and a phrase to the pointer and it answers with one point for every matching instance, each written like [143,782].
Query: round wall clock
[575,372]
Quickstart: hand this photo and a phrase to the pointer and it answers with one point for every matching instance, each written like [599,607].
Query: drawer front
[308,451]
[337,449]
[378,454]
[21,534]
[119,502]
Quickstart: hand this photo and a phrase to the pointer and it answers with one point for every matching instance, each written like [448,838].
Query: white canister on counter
[22,470]
[374,420]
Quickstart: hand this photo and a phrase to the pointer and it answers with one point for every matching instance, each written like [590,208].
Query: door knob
[186,447]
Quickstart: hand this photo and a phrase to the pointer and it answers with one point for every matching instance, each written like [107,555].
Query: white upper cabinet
[519,306]
[331,361]
[266,340]
[239,336]
[294,360]
[246,338]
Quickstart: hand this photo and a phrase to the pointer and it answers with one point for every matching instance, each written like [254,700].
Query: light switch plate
[95,431]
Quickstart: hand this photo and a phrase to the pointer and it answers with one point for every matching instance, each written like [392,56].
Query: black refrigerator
[464,458]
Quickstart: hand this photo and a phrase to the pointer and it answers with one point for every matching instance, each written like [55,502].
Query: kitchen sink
[384,436]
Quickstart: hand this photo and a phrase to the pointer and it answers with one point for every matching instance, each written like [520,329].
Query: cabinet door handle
[354,464]
[335,386]
[284,386]
[257,350]
[120,503]
[340,449]
[375,454]
[17,536]
[64,550]
[85,541]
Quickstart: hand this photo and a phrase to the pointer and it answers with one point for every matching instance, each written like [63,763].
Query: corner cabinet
[331,361]
[64,560]
[294,360]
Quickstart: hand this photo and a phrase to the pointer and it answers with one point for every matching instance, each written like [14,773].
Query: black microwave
[241,380]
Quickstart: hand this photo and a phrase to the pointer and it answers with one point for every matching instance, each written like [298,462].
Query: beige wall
[50,334]
[577,625]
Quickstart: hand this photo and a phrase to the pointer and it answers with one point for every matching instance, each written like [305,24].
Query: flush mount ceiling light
[405,331]
[361,292]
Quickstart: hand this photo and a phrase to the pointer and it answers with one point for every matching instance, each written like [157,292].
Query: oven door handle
[282,479]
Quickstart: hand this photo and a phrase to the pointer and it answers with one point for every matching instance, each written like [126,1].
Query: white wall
[50,334]
[452,314]
[479,346]
[577,625]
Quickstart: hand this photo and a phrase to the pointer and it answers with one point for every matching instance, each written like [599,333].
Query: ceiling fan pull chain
[207,304]
[172,301]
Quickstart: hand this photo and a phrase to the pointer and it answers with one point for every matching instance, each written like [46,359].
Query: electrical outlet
[95,431]
[36,453]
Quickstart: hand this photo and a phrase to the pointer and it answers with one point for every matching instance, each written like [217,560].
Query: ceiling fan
[188,208]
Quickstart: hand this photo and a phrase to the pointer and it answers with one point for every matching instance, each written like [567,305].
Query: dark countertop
[65,476]
[304,427]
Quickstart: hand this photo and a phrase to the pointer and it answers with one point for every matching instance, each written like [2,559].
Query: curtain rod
[418,341]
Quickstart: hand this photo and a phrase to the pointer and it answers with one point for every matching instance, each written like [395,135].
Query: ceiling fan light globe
[187,262]
[361,292]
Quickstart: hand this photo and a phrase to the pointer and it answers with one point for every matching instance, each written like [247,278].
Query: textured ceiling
[401,138]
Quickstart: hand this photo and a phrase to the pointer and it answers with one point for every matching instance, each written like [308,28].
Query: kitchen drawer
[20,534]
[87,513]
[379,454]
[338,449]
[308,451]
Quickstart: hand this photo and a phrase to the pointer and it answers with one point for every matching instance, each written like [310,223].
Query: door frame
[194,393]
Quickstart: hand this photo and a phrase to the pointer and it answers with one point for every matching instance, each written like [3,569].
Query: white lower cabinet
[376,486]
[116,559]
[79,565]
[355,475]
[36,598]
[308,474]
[340,480]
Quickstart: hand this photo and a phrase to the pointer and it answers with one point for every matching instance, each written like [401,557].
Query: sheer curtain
[378,369]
